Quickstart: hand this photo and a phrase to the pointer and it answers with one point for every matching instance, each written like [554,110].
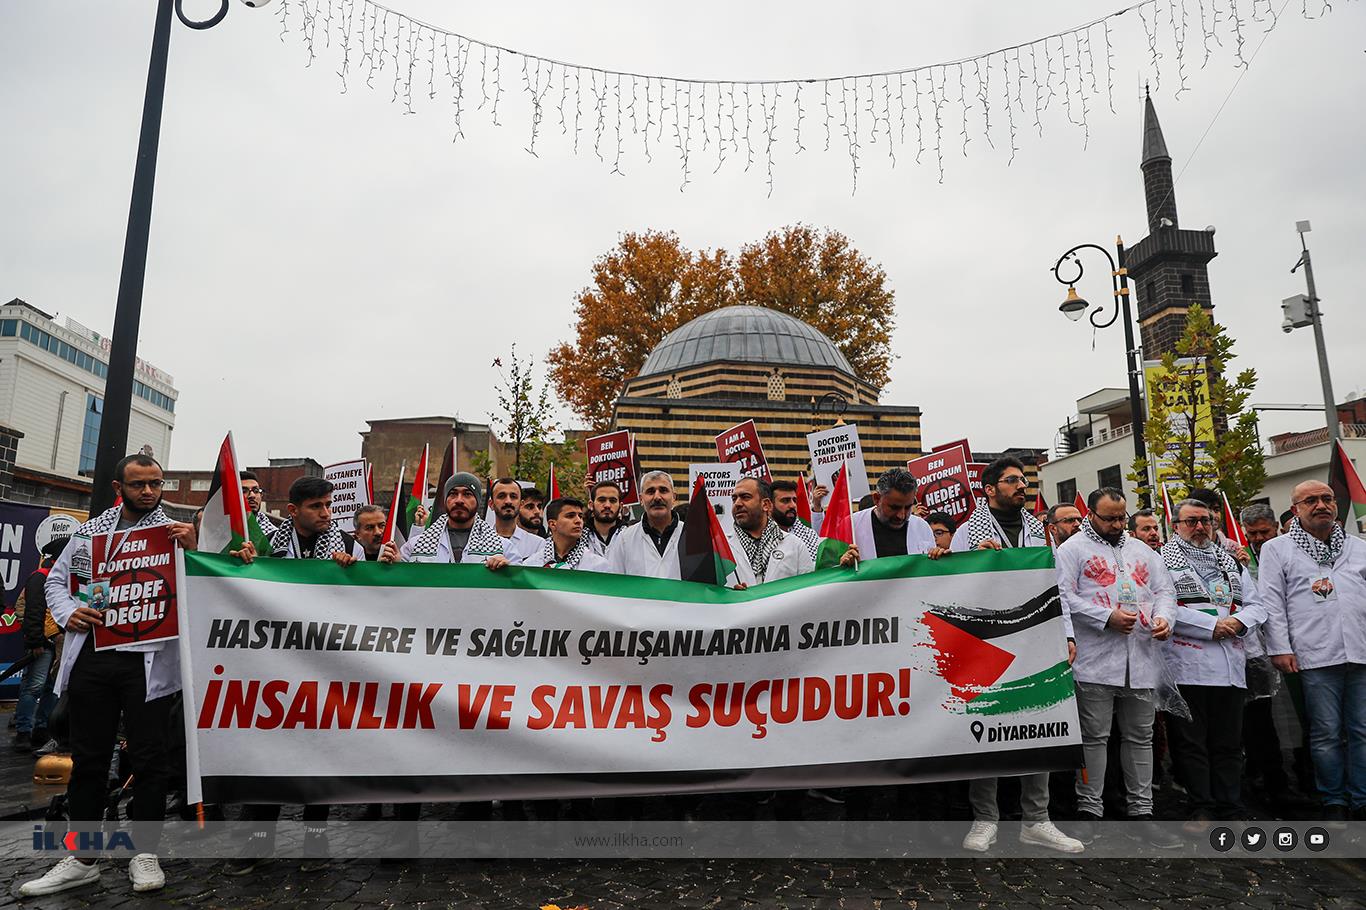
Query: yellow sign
[1184,400]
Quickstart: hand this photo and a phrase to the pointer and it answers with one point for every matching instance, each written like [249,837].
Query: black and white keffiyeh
[1092,533]
[760,550]
[328,542]
[807,537]
[483,540]
[266,523]
[1208,563]
[571,560]
[1323,554]
[982,526]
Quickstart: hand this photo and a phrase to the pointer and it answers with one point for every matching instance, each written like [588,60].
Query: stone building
[741,362]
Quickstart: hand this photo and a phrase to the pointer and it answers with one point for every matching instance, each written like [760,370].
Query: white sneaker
[69,873]
[980,837]
[145,873]
[1047,834]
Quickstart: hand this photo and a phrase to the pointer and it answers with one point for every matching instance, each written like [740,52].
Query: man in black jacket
[35,695]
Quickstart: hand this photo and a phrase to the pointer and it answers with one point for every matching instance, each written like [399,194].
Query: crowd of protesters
[1194,621]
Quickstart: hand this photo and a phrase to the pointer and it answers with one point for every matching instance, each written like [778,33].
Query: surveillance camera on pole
[1302,310]
[1297,313]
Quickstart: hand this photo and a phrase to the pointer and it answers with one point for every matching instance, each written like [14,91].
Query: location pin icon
[977,729]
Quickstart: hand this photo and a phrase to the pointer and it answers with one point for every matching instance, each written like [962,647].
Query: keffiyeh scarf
[1095,535]
[982,526]
[484,540]
[807,537]
[1323,554]
[104,523]
[571,561]
[1209,563]
[328,542]
[760,550]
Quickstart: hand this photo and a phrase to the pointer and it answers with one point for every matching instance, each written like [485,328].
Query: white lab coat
[596,543]
[523,548]
[790,557]
[1194,657]
[919,537]
[292,551]
[589,562]
[443,551]
[633,553]
[1319,632]
[160,661]
[1089,574]
[961,542]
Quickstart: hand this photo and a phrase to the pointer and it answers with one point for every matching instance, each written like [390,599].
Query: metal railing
[1294,442]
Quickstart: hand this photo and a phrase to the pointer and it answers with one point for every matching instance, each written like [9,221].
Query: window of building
[1067,491]
[73,355]
[1188,284]
[1110,477]
[199,486]
[8,327]
[171,485]
[90,435]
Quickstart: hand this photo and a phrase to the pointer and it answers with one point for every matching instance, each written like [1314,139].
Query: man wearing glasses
[1120,600]
[255,499]
[1063,520]
[1001,522]
[1313,581]
[1216,605]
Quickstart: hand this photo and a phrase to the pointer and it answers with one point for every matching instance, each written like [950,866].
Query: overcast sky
[318,258]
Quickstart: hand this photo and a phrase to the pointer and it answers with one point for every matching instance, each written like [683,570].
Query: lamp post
[1315,318]
[1075,306]
[833,402]
[118,384]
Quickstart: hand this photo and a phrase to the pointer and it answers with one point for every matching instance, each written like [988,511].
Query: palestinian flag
[369,482]
[418,498]
[1234,529]
[1040,507]
[1347,486]
[1167,510]
[704,554]
[837,530]
[1081,506]
[552,486]
[397,512]
[446,473]
[226,524]
[803,502]
[1001,661]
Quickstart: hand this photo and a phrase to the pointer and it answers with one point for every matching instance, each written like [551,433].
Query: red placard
[961,443]
[740,444]
[609,458]
[133,584]
[975,469]
[942,482]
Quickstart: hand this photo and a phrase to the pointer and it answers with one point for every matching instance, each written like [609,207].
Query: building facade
[52,379]
[190,489]
[744,362]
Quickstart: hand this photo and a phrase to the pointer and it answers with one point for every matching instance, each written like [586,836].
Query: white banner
[833,447]
[721,480]
[349,492]
[309,682]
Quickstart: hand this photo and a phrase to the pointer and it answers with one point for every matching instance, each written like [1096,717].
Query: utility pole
[1329,401]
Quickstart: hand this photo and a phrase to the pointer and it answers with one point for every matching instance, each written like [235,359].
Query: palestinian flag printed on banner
[226,524]
[978,652]
[704,554]
[837,529]
[418,496]
[1347,486]
[804,502]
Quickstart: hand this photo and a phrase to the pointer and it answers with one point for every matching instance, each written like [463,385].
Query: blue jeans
[1335,699]
[35,695]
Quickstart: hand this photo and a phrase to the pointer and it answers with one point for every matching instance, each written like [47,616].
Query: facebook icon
[1221,839]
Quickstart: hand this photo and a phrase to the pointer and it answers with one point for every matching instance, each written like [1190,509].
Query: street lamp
[833,402]
[123,344]
[1074,306]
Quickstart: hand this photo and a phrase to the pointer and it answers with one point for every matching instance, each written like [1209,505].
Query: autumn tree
[525,422]
[650,284]
[1197,415]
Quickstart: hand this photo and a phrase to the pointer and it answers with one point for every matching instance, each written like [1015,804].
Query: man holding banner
[889,528]
[650,547]
[309,532]
[1120,600]
[768,553]
[460,536]
[567,547]
[133,681]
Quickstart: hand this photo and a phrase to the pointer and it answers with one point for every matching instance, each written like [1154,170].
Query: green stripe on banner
[1028,693]
[512,578]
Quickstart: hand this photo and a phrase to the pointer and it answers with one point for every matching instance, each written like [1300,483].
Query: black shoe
[254,853]
[1085,827]
[22,742]
[1144,828]
[317,854]
[243,865]
[1336,816]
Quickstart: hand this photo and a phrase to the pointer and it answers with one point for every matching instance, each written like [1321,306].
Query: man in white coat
[1313,582]
[134,681]
[650,546]
[1001,522]
[567,547]
[763,551]
[1216,605]
[1120,600]
[460,536]
[523,547]
[889,528]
